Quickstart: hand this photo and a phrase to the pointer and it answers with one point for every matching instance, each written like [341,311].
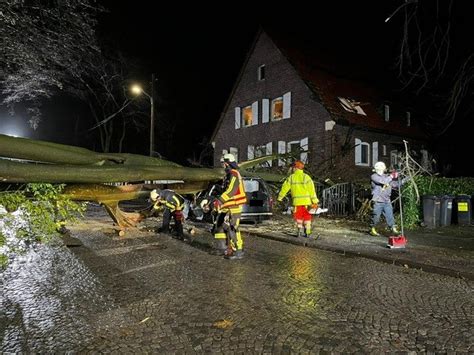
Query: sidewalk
[446,250]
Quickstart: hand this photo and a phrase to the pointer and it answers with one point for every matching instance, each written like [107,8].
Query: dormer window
[261,73]
[352,106]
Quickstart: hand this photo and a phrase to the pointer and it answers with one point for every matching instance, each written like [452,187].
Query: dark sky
[196,52]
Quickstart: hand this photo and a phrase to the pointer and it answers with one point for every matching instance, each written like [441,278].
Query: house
[286,100]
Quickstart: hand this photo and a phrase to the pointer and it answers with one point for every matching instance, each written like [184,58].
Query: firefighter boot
[220,247]
[301,232]
[236,255]
[179,230]
[307,232]
[373,232]
[394,230]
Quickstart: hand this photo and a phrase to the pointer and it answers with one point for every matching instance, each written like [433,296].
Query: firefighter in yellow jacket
[229,206]
[303,195]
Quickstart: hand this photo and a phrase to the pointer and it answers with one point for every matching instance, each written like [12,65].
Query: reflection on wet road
[156,294]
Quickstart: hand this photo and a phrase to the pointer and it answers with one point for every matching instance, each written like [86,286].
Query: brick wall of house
[307,116]
[343,166]
[326,156]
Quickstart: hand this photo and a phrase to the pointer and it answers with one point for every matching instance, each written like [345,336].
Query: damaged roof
[349,101]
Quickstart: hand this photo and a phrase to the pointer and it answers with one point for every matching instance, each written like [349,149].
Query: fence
[339,199]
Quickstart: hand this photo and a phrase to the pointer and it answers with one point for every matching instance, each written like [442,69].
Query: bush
[413,209]
[33,214]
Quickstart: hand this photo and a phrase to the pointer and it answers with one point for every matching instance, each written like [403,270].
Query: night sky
[196,53]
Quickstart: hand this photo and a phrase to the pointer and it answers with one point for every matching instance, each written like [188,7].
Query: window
[298,149]
[260,151]
[394,158]
[247,116]
[362,151]
[261,72]
[277,108]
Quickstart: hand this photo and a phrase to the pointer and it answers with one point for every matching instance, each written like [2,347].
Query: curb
[394,261]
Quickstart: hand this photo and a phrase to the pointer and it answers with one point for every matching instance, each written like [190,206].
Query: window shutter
[235,152]
[250,152]
[358,151]
[269,152]
[387,112]
[281,150]
[304,146]
[265,110]
[255,113]
[375,152]
[287,105]
[237,117]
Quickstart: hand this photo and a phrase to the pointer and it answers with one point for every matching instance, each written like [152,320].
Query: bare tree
[430,63]
[45,46]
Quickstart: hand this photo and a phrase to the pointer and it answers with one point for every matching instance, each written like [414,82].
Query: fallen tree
[89,175]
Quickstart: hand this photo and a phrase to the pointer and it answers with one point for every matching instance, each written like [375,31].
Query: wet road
[153,294]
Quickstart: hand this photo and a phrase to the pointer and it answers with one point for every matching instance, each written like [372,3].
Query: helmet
[154,195]
[205,205]
[379,167]
[228,158]
[298,165]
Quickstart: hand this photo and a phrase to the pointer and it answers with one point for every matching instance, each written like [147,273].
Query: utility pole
[152,116]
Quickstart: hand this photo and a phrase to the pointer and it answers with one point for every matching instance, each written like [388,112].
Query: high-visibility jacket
[234,191]
[302,189]
[170,199]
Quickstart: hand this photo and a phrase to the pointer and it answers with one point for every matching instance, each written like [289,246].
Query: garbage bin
[431,211]
[463,209]
[446,207]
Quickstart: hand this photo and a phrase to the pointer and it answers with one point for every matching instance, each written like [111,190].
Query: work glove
[217,204]
[314,206]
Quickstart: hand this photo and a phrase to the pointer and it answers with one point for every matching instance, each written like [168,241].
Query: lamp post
[137,90]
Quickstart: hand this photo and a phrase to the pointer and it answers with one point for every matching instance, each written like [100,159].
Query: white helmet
[205,205]
[154,195]
[379,167]
[228,158]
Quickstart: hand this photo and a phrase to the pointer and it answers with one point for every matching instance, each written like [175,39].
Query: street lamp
[138,90]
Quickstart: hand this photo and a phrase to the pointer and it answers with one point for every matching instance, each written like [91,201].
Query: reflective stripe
[219,236]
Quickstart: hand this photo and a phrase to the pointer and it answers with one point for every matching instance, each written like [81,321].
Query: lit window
[277,108]
[247,116]
[261,72]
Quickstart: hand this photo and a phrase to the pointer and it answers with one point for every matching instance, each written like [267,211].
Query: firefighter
[382,185]
[173,205]
[229,207]
[303,195]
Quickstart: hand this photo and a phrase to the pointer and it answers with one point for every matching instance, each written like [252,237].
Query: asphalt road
[155,294]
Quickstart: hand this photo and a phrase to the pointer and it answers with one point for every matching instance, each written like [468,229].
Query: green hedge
[439,186]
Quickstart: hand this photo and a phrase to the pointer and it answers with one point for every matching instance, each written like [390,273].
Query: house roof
[330,80]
